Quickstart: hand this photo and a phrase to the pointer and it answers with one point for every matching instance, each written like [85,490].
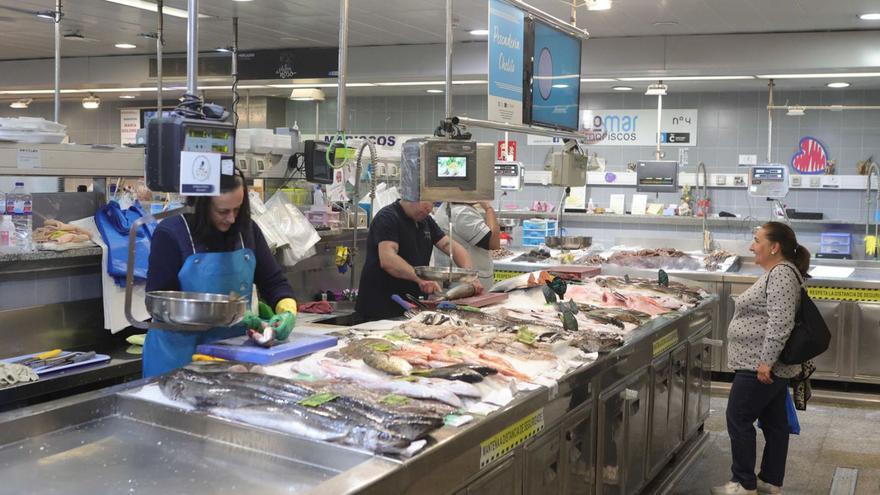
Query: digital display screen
[197,133]
[768,173]
[452,167]
[148,115]
[556,73]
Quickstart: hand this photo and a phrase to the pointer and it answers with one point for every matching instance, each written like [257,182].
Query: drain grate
[844,481]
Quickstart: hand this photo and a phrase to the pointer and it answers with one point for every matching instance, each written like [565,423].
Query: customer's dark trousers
[749,401]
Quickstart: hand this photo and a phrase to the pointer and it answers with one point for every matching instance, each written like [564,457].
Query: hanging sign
[506,151]
[811,156]
[633,128]
[129,123]
[199,173]
[288,63]
[506,30]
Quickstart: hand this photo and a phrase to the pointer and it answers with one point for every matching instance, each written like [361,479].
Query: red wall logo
[811,157]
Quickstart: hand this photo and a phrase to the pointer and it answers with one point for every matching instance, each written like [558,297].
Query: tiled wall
[729,124]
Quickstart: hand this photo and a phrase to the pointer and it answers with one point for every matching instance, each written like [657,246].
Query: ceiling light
[125,46]
[479,32]
[242,0]
[827,75]
[597,79]
[412,83]
[22,103]
[656,90]
[224,49]
[664,23]
[686,78]
[873,16]
[127,97]
[46,14]
[795,111]
[560,86]
[91,102]
[307,94]
[150,6]
[622,88]
[598,4]
[434,91]
[840,84]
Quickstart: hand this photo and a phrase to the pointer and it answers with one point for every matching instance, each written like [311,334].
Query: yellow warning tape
[844,294]
[507,439]
[665,343]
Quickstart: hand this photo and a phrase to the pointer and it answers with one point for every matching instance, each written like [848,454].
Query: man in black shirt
[402,236]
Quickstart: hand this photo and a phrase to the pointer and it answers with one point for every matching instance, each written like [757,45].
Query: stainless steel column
[341,115]
[192,47]
[770,120]
[57,60]
[448,60]
[160,44]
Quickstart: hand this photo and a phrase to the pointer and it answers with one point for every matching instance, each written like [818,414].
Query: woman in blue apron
[217,249]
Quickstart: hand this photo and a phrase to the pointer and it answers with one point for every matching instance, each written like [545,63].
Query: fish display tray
[109,443]
[241,349]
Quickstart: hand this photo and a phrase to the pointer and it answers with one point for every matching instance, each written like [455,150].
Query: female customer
[761,325]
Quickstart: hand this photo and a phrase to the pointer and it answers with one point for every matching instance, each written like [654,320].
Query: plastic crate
[539,224]
[532,241]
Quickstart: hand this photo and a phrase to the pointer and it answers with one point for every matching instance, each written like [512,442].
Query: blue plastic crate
[539,224]
[532,241]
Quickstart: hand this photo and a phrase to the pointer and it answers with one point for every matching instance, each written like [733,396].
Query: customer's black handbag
[810,336]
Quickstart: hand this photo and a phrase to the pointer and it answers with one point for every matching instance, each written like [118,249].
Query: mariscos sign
[633,128]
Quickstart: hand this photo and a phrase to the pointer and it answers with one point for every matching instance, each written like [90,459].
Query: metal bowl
[438,274]
[568,242]
[196,308]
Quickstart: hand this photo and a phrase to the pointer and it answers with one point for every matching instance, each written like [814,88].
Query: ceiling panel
[286,23]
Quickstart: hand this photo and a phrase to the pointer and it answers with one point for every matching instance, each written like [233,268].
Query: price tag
[29,158]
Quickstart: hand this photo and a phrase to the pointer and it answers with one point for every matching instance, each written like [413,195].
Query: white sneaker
[765,488]
[732,488]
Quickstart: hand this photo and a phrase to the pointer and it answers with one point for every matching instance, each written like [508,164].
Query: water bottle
[19,205]
[7,235]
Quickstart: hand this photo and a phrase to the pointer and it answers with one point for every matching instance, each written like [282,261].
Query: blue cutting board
[242,349]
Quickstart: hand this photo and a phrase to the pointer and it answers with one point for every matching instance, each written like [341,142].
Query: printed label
[665,343]
[844,294]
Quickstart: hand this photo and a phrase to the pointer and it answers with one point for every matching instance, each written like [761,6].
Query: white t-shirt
[468,228]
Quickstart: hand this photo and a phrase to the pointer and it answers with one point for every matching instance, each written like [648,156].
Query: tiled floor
[830,437]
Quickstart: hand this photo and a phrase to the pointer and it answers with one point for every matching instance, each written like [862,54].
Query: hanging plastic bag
[794,426]
[295,228]
[259,214]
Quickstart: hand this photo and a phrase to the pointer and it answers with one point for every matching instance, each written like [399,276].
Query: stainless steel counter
[850,306]
[588,434]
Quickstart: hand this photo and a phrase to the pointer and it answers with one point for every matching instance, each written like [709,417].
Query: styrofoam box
[282,144]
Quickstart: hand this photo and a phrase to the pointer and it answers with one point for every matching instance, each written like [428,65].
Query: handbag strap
[796,274]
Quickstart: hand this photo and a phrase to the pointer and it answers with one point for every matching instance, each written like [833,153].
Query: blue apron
[216,273]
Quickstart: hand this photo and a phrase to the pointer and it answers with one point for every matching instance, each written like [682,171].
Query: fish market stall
[539,394]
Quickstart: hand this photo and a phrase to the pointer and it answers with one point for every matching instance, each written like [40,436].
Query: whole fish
[459,372]
[387,363]
[460,291]
[401,387]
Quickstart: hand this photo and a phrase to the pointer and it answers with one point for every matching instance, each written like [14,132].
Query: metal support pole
[448,91]
[341,115]
[160,46]
[657,153]
[770,120]
[192,47]
[235,96]
[317,120]
[57,60]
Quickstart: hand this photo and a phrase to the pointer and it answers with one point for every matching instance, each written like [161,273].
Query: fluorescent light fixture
[316,85]
[21,104]
[46,14]
[598,4]
[242,0]
[91,102]
[686,78]
[412,83]
[560,86]
[150,6]
[836,108]
[873,16]
[622,88]
[434,91]
[837,85]
[125,46]
[656,90]
[224,49]
[826,75]
[307,94]
[479,32]
[664,23]
[795,111]
[127,97]
[598,79]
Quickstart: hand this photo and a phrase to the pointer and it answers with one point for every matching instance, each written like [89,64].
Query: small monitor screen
[556,73]
[452,167]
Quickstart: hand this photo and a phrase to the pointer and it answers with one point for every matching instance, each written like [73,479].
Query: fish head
[549,294]
[569,322]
